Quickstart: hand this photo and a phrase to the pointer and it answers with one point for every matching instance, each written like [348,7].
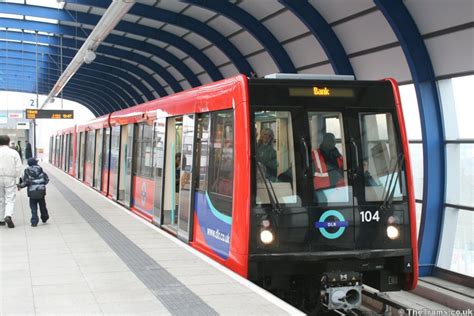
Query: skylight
[47,3]
[11,16]
[37,19]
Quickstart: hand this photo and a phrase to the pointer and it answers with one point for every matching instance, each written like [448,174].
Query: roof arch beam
[29,67]
[196,26]
[117,67]
[88,91]
[14,76]
[434,163]
[254,27]
[324,33]
[119,40]
[26,49]
[123,26]
[67,96]
[50,28]
[109,82]
[29,77]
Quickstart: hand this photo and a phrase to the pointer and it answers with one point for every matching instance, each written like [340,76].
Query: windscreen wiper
[270,191]
[389,190]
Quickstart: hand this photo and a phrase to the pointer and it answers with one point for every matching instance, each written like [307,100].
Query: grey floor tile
[58,289]
[64,300]
[123,296]
[92,309]
[128,308]
[57,279]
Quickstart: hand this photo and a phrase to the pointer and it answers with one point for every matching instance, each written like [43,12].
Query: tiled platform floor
[67,267]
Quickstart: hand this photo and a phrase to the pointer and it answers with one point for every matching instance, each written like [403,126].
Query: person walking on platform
[18,148]
[28,151]
[36,180]
[10,171]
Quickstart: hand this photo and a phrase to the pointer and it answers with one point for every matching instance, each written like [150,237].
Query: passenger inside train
[266,154]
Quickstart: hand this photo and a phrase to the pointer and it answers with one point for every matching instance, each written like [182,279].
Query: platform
[95,257]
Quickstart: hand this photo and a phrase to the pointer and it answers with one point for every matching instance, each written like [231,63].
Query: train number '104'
[367,216]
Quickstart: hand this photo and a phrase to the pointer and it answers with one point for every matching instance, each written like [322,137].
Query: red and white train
[299,183]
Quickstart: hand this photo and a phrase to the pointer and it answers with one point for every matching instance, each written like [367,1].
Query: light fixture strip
[111,17]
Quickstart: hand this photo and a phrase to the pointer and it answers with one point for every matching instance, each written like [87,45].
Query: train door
[292,176]
[56,144]
[186,185]
[125,174]
[377,176]
[114,161]
[98,158]
[78,146]
[143,185]
[106,161]
[82,149]
[89,157]
[63,152]
[65,149]
[178,184]
[331,185]
[66,152]
[159,134]
[173,160]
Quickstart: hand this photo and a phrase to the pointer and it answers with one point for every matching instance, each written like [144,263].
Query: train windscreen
[328,169]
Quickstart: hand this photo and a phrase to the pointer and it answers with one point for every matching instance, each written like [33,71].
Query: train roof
[99,122]
[189,101]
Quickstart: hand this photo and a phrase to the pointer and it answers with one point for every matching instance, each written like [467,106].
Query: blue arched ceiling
[434,162]
[104,54]
[254,27]
[74,35]
[324,33]
[180,48]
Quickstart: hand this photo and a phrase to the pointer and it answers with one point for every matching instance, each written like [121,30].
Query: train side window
[328,157]
[275,159]
[221,165]
[380,158]
[144,166]
[98,157]
[82,149]
[90,139]
[114,160]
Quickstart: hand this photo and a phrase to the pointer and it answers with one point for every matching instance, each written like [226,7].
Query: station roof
[165,46]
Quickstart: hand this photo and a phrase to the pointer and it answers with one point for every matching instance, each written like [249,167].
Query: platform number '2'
[367,216]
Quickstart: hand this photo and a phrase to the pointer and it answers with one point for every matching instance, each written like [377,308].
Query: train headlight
[393,232]
[266,223]
[266,236]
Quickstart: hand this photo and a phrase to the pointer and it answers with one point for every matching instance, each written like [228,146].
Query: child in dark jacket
[36,180]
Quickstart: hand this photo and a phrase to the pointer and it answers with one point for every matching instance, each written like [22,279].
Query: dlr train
[300,183]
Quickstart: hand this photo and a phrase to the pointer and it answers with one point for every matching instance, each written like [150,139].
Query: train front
[332,197]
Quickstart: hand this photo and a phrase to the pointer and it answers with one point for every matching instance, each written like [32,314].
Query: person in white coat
[10,171]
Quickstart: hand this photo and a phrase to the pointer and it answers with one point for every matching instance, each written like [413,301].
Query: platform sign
[15,115]
[3,118]
[49,114]
[22,125]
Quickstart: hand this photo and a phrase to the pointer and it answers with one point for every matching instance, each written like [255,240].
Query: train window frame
[105,159]
[222,202]
[89,156]
[341,192]
[259,125]
[98,157]
[82,158]
[142,168]
[203,136]
[400,193]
